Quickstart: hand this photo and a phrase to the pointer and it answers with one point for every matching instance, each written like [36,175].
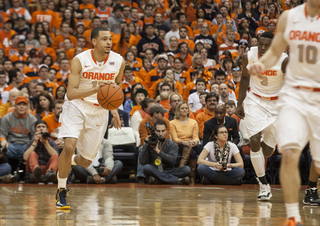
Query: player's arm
[284,64]
[278,46]
[244,85]
[120,75]
[74,80]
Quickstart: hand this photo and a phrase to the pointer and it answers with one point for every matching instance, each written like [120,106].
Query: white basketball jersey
[94,72]
[272,79]
[303,36]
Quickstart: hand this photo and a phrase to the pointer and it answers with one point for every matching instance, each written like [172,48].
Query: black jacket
[230,123]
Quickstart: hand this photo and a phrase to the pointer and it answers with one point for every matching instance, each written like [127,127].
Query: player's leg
[293,135]
[311,193]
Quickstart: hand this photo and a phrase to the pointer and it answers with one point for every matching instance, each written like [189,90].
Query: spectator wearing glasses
[214,162]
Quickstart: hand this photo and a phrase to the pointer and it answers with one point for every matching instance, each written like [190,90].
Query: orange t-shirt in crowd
[58,41]
[3,17]
[165,104]
[261,28]
[198,112]
[148,21]
[143,74]
[187,59]
[59,79]
[49,51]
[194,24]
[70,53]
[18,58]
[184,78]
[223,36]
[190,43]
[49,16]
[5,38]
[215,28]
[191,13]
[139,25]
[9,51]
[53,126]
[51,87]
[87,6]
[105,14]
[136,67]
[60,22]
[87,24]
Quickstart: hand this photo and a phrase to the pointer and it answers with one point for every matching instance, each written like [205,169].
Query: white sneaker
[265,192]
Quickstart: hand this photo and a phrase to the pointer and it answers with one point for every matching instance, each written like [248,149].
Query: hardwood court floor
[136,204]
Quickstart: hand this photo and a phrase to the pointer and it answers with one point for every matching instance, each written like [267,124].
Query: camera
[2,150]
[153,138]
[224,165]
[45,135]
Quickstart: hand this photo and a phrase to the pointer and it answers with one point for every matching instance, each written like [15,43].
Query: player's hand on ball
[255,69]
[117,122]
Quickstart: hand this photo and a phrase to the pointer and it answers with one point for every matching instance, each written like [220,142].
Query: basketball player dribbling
[299,98]
[260,108]
[83,120]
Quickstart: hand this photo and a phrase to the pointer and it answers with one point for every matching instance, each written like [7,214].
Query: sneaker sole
[310,203]
[63,207]
[265,198]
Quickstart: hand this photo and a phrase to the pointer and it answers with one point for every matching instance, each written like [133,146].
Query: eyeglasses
[236,69]
[223,132]
[212,100]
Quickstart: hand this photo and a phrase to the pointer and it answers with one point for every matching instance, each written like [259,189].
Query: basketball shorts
[85,122]
[261,116]
[299,120]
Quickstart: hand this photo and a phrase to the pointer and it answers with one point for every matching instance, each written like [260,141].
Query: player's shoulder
[84,54]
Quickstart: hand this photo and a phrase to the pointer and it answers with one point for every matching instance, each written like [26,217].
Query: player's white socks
[258,162]
[62,182]
[72,160]
[293,211]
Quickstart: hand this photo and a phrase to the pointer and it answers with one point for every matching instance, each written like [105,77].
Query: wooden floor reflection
[135,204]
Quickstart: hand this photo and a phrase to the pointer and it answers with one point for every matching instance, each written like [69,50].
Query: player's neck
[100,57]
[312,11]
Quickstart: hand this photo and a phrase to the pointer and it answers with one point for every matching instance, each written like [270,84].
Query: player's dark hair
[96,30]
[267,34]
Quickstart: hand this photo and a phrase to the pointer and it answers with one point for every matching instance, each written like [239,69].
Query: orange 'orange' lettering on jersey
[269,73]
[98,75]
[305,35]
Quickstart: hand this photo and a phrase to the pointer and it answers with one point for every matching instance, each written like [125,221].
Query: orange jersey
[190,43]
[215,28]
[87,24]
[5,37]
[223,36]
[49,16]
[18,58]
[49,51]
[58,41]
[3,17]
[136,67]
[191,13]
[187,59]
[154,75]
[87,6]
[10,51]
[143,74]
[194,24]
[53,126]
[103,14]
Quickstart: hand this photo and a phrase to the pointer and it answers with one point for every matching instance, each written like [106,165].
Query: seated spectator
[132,62]
[236,77]
[211,101]
[158,160]
[169,78]
[202,98]
[60,93]
[130,103]
[41,155]
[164,97]
[173,47]
[141,114]
[184,55]
[144,71]
[157,112]
[63,74]
[184,132]
[4,89]
[17,128]
[128,81]
[157,73]
[44,105]
[40,87]
[139,96]
[218,169]
[209,43]
[44,78]
[11,103]
[179,73]
[15,78]
[207,63]
[5,169]
[102,170]
[231,110]
[53,124]
[193,99]
[174,32]
[225,94]
[222,119]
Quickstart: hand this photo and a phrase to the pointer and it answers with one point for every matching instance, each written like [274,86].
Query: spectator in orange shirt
[63,75]
[53,123]
[86,5]
[202,98]
[96,22]
[222,36]
[44,14]
[133,63]
[44,48]
[33,68]
[15,78]
[67,45]
[21,55]
[44,105]
[86,20]
[173,47]
[6,33]
[58,41]
[183,38]
[68,16]
[147,18]
[81,42]
[135,19]
[103,11]
[219,27]
[185,56]
[183,23]
[44,78]
[13,47]
[264,25]
[157,73]
[272,26]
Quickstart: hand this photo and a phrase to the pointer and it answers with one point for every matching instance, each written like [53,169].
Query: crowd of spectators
[183,69]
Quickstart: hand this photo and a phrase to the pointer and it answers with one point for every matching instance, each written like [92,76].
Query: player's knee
[69,148]
[317,165]
[84,162]
[290,157]
[255,142]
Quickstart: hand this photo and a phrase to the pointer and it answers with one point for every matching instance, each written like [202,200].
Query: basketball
[110,96]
